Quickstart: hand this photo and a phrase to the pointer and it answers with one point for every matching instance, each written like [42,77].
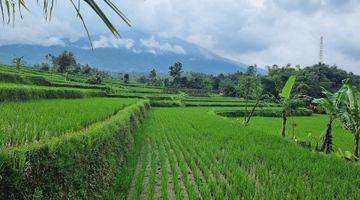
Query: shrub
[264,113]
[95,80]
[16,78]
[72,166]
[165,103]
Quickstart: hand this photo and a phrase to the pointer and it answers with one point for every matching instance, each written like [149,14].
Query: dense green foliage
[72,166]
[265,112]
[227,104]
[165,103]
[235,84]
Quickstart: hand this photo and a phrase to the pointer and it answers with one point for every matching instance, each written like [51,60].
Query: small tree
[97,79]
[250,88]
[18,62]
[153,77]
[286,102]
[142,79]
[86,69]
[126,78]
[63,61]
[330,103]
[175,71]
[350,114]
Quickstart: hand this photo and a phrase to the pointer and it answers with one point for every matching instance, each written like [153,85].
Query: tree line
[66,63]
[249,83]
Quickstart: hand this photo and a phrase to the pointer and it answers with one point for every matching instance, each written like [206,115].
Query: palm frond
[8,11]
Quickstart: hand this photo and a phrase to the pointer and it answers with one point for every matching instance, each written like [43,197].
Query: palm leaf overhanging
[8,9]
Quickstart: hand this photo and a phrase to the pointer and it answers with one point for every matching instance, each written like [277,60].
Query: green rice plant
[175,174]
[190,190]
[76,165]
[198,175]
[230,161]
[32,121]
[13,92]
[153,168]
[164,174]
[141,174]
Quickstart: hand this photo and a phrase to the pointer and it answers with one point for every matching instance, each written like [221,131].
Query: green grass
[24,122]
[219,158]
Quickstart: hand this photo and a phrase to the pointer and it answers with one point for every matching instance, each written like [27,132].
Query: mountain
[136,52]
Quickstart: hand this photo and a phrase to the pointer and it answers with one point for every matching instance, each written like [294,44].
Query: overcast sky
[264,32]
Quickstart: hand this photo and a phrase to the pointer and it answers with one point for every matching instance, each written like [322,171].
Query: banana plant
[331,104]
[350,114]
[8,9]
[286,101]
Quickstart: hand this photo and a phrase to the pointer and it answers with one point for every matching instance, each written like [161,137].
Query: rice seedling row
[204,156]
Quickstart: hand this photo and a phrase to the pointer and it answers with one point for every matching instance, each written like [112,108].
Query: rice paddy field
[24,122]
[190,153]
[71,140]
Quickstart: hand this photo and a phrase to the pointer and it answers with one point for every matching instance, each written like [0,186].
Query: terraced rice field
[24,122]
[190,153]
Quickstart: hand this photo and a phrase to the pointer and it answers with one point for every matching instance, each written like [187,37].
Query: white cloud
[112,42]
[249,31]
[155,46]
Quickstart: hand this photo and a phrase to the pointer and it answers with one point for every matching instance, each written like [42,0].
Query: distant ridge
[135,53]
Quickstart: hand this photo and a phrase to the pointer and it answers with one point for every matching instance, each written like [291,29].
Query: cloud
[112,42]
[157,47]
[248,31]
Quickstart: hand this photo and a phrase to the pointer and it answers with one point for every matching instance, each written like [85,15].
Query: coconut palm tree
[331,105]
[286,102]
[350,114]
[8,9]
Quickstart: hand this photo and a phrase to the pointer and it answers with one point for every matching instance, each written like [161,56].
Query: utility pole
[321,54]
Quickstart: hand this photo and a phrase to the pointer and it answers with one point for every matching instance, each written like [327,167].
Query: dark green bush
[143,96]
[38,80]
[80,85]
[73,166]
[265,113]
[95,80]
[11,78]
[226,104]
[16,78]
[165,103]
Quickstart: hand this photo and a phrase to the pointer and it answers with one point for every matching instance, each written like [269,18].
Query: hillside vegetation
[65,137]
